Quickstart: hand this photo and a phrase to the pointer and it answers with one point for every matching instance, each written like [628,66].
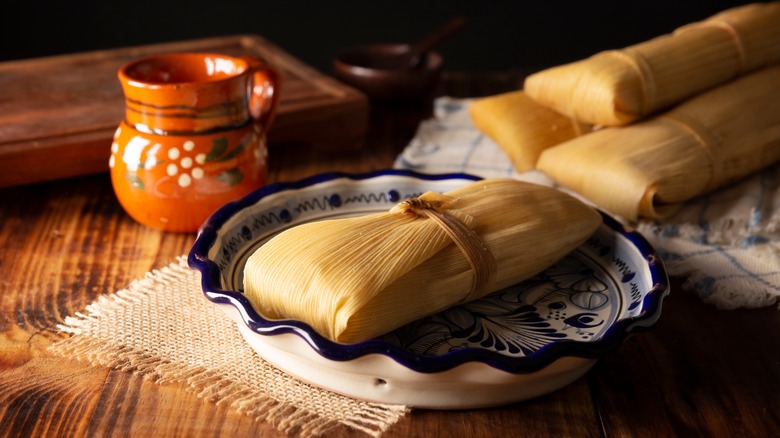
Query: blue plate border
[211,285]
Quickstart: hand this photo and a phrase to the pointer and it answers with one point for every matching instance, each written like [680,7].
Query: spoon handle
[413,57]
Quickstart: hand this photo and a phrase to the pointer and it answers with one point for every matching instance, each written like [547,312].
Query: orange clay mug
[193,137]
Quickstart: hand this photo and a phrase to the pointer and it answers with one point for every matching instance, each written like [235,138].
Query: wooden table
[699,372]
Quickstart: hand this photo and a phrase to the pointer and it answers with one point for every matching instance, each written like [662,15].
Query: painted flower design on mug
[183,163]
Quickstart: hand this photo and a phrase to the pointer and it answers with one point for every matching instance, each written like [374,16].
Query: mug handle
[263,91]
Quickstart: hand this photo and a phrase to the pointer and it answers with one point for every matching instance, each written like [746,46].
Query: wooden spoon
[416,54]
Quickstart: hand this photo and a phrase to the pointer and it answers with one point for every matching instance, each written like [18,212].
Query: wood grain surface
[65,109]
[699,372]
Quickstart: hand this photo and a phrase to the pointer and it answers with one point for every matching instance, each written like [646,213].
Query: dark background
[499,35]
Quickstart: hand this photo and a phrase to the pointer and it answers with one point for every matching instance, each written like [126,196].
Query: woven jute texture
[162,327]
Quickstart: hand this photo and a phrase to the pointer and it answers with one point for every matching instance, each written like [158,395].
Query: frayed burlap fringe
[163,328]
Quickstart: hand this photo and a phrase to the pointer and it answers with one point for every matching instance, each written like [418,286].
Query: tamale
[355,278]
[616,87]
[522,127]
[647,169]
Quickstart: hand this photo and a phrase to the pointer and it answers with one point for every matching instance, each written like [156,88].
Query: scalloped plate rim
[615,335]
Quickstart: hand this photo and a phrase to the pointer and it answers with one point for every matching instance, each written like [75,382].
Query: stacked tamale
[640,130]
[617,87]
[356,278]
[647,169]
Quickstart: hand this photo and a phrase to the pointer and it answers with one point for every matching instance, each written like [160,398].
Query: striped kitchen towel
[726,245]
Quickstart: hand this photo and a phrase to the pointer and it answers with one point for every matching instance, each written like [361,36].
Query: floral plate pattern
[533,337]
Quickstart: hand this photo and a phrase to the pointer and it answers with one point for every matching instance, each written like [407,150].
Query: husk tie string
[468,241]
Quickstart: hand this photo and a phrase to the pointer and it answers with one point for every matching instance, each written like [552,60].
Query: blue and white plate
[515,344]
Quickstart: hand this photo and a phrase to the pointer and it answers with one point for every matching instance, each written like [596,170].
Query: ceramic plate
[515,344]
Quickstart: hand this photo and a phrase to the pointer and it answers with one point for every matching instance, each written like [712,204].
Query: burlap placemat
[162,327]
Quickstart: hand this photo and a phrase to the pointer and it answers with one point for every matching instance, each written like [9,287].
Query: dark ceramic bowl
[366,68]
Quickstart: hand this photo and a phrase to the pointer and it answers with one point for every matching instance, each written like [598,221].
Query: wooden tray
[58,114]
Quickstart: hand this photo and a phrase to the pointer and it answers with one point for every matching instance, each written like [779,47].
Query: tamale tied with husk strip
[649,168]
[617,87]
[356,278]
[522,127]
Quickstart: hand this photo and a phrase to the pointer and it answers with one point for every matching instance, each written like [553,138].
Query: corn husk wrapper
[357,278]
[649,168]
[522,127]
[617,87]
